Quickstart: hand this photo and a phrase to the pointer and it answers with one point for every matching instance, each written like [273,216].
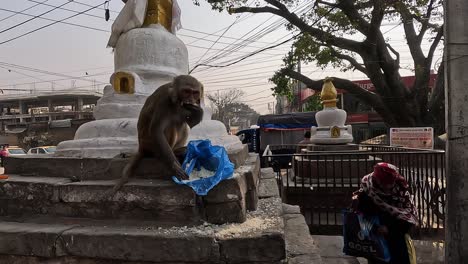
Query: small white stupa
[331,128]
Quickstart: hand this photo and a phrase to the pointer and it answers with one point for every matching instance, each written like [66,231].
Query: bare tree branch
[277,4]
[358,66]
[348,8]
[425,20]
[414,43]
[326,3]
[435,43]
[323,36]
[264,9]
[397,54]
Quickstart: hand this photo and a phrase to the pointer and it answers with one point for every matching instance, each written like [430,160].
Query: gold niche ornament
[328,94]
[159,12]
[123,83]
[335,132]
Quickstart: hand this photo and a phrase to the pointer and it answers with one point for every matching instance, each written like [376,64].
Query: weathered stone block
[268,188]
[139,199]
[232,189]
[29,239]
[291,209]
[251,199]
[227,212]
[267,248]
[140,245]
[238,156]
[298,239]
[267,173]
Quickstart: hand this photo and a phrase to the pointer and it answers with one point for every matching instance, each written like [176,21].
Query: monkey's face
[189,95]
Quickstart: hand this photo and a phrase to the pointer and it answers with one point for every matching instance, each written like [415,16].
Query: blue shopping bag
[200,153]
[361,239]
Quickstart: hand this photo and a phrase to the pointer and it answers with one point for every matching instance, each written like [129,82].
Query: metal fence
[322,183]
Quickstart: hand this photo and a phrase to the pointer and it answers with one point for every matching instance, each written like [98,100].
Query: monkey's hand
[180,173]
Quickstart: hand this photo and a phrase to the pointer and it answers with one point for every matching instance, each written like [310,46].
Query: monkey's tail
[128,171]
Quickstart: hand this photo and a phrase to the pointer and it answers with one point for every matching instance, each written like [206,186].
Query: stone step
[83,169]
[46,239]
[138,199]
[158,199]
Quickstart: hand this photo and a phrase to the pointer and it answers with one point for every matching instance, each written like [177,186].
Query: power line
[57,80]
[24,10]
[88,5]
[258,35]
[48,25]
[245,57]
[42,71]
[31,19]
[66,9]
[24,74]
[219,42]
[54,20]
[227,29]
[255,99]
[212,34]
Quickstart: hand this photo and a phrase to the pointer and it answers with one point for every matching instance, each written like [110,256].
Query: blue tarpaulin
[200,153]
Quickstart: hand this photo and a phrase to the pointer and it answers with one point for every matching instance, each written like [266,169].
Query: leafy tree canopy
[348,35]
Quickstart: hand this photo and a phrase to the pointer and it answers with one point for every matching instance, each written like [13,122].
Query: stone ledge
[96,168]
[231,198]
[139,199]
[267,173]
[300,246]
[268,188]
[261,237]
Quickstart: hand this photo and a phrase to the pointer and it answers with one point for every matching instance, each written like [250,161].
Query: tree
[348,35]
[243,115]
[222,105]
[313,103]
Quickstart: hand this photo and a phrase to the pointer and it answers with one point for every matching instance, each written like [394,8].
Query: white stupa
[147,55]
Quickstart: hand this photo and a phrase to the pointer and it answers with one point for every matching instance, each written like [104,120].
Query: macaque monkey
[164,124]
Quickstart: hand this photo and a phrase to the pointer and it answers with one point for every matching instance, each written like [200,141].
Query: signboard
[412,137]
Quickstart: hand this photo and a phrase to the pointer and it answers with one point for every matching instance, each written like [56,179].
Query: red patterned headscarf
[398,202]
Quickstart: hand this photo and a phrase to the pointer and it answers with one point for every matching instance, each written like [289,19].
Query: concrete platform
[156,199]
[262,236]
[83,169]
[51,220]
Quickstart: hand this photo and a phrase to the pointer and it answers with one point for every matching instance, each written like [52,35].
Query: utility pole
[299,85]
[456,100]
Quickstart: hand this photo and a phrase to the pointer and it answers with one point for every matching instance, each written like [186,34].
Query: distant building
[43,111]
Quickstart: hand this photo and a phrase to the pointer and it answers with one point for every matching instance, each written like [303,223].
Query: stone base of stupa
[324,135]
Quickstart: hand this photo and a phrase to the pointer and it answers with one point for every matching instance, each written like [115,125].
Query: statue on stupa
[142,13]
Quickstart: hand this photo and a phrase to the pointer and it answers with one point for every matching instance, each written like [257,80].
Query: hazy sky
[59,56]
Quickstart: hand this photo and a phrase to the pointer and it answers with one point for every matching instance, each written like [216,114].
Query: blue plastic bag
[361,239]
[200,153]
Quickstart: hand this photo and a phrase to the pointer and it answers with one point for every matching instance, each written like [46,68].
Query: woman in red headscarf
[385,193]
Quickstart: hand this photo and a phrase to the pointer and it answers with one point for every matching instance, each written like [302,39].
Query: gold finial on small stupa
[159,12]
[328,94]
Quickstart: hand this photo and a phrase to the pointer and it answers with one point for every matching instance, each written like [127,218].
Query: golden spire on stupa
[159,12]
[328,94]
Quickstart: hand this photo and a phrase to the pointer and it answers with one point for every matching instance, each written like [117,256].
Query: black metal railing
[322,182]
